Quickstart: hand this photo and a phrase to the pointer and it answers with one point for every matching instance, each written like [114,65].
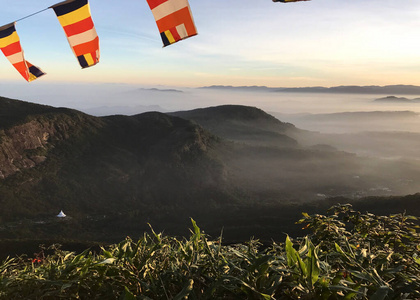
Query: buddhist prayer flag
[174,20]
[10,46]
[75,17]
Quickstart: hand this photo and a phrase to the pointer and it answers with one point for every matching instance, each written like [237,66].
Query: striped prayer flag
[11,48]
[174,20]
[75,17]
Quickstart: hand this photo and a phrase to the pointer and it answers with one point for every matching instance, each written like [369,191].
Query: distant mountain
[395,99]
[388,89]
[351,89]
[237,88]
[162,90]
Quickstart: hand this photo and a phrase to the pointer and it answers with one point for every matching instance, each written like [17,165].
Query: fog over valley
[133,98]
[352,122]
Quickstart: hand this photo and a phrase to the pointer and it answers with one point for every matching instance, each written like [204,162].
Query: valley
[230,167]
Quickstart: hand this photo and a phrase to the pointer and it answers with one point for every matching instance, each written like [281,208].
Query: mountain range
[345,89]
[233,166]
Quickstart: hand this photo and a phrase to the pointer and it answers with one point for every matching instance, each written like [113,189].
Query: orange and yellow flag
[75,17]
[11,48]
[174,20]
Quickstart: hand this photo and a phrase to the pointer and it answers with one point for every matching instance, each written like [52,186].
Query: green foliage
[349,255]
[377,254]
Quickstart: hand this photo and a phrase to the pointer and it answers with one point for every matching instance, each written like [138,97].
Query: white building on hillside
[61,215]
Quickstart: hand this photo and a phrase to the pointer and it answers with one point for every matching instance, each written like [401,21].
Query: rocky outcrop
[27,144]
[16,144]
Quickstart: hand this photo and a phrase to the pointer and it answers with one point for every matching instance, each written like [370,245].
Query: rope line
[32,14]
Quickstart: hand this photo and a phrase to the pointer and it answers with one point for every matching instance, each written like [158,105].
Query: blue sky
[240,42]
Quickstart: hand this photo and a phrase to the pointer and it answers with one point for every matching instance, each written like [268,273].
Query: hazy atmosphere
[306,110]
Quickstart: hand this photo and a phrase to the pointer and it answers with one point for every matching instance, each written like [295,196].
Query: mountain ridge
[243,124]
[394,99]
[344,89]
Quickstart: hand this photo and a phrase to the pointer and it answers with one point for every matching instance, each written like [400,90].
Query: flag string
[32,14]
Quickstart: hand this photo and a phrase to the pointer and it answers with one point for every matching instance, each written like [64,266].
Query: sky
[239,42]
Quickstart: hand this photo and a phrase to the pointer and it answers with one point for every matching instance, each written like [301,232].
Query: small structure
[61,215]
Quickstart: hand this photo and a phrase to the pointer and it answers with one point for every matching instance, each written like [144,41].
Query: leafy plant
[376,253]
[348,255]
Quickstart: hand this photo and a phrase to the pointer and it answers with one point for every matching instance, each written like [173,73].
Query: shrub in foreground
[348,255]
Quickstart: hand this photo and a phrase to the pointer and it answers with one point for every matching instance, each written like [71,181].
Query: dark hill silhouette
[63,159]
[394,99]
[15,111]
[243,124]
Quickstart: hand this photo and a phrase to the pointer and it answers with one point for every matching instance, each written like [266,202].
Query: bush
[348,255]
